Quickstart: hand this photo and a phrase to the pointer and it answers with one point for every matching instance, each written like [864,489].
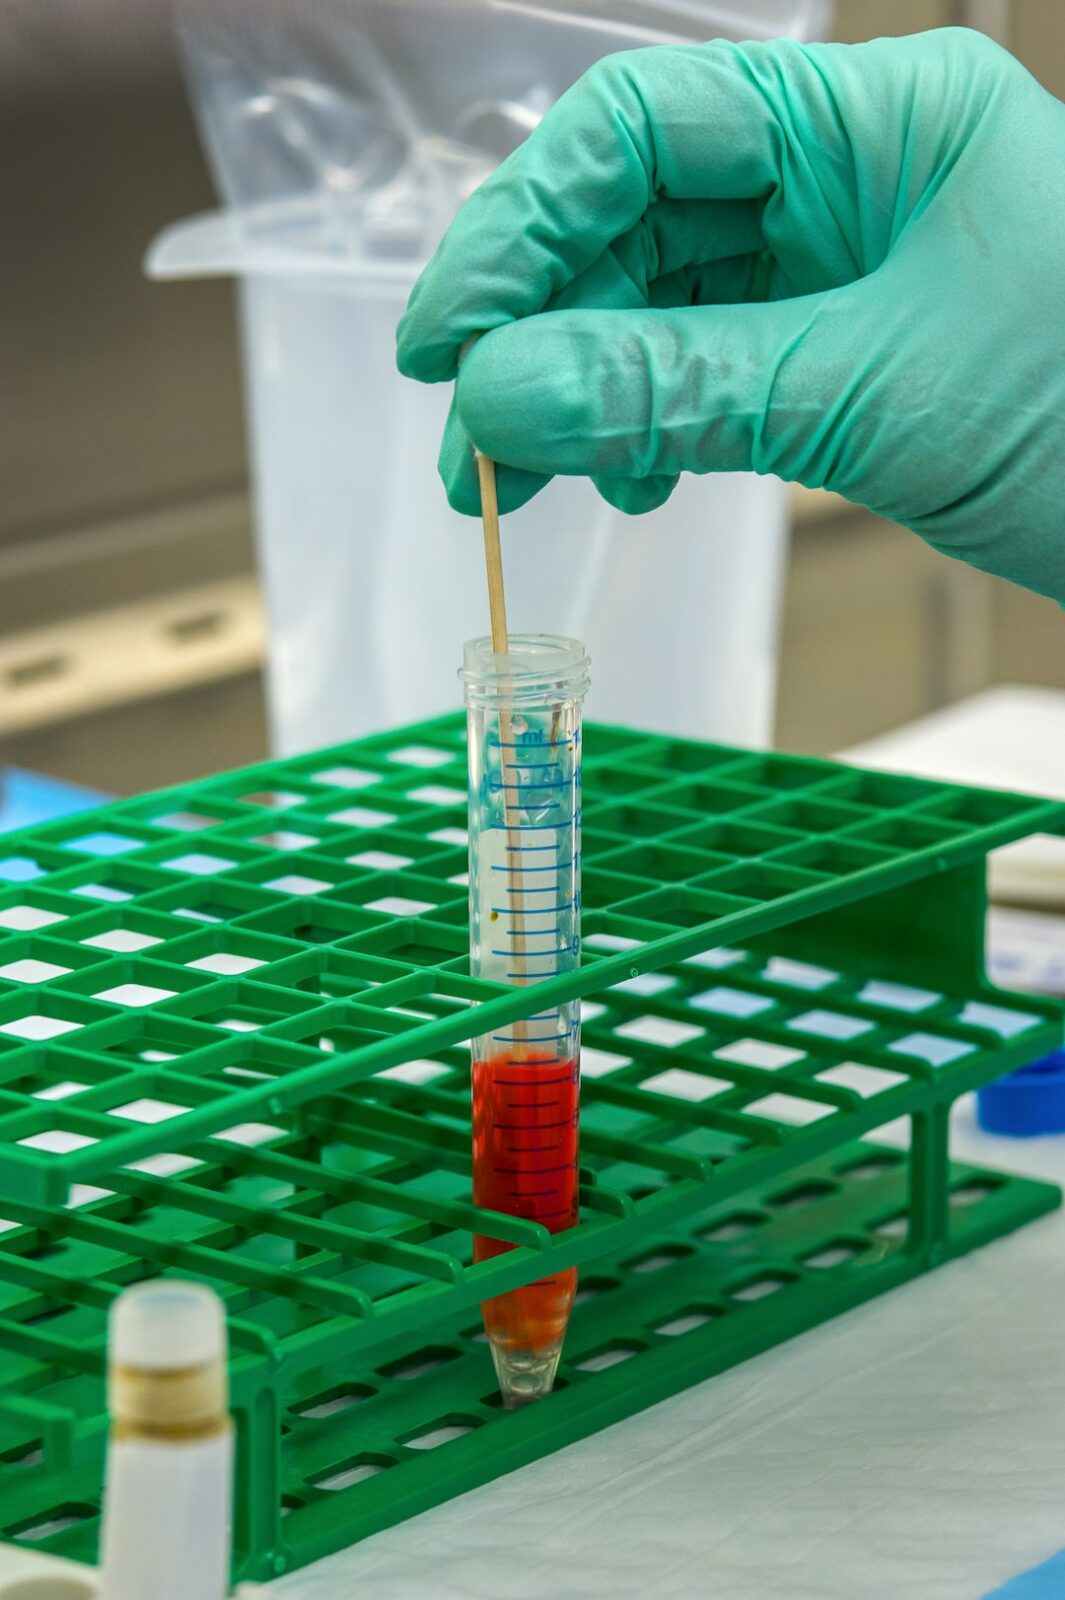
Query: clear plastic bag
[352,100]
[343,138]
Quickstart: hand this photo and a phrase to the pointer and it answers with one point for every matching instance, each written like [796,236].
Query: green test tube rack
[234,1024]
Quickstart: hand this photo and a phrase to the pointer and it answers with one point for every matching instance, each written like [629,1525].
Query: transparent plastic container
[524,741]
[343,138]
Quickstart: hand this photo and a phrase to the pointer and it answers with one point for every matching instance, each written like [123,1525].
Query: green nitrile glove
[844,264]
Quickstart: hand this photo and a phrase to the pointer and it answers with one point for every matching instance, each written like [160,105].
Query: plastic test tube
[524,728]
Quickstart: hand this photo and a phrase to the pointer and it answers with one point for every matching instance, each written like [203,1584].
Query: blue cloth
[1045,1582]
[28,797]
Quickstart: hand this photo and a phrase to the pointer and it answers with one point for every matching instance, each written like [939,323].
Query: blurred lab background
[132,631]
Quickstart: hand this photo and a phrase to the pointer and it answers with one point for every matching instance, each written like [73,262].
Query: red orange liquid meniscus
[525,1140]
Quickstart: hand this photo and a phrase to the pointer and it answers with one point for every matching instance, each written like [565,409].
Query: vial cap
[167,1326]
[1026,1103]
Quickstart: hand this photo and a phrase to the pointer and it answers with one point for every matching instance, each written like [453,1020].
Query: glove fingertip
[515,487]
[463,492]
[425,365]
[637,496]
[424,359]
[458,469]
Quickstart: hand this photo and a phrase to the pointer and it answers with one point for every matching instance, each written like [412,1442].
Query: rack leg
[929,1212]
[257,1501]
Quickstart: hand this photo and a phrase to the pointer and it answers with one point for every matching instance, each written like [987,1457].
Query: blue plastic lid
[1028,1102]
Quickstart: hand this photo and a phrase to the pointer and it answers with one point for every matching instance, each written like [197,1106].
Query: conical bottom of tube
[525,1375]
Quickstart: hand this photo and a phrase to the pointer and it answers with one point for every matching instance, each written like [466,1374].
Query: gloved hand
[843,264]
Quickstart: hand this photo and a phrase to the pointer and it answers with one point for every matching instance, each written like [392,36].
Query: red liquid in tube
[525,1139]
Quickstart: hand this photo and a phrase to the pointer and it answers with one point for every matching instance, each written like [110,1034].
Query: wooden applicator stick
[493,557]
[497,607]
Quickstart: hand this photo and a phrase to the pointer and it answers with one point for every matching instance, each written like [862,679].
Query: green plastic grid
[290,1121]
[339,1436]
[197,904]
